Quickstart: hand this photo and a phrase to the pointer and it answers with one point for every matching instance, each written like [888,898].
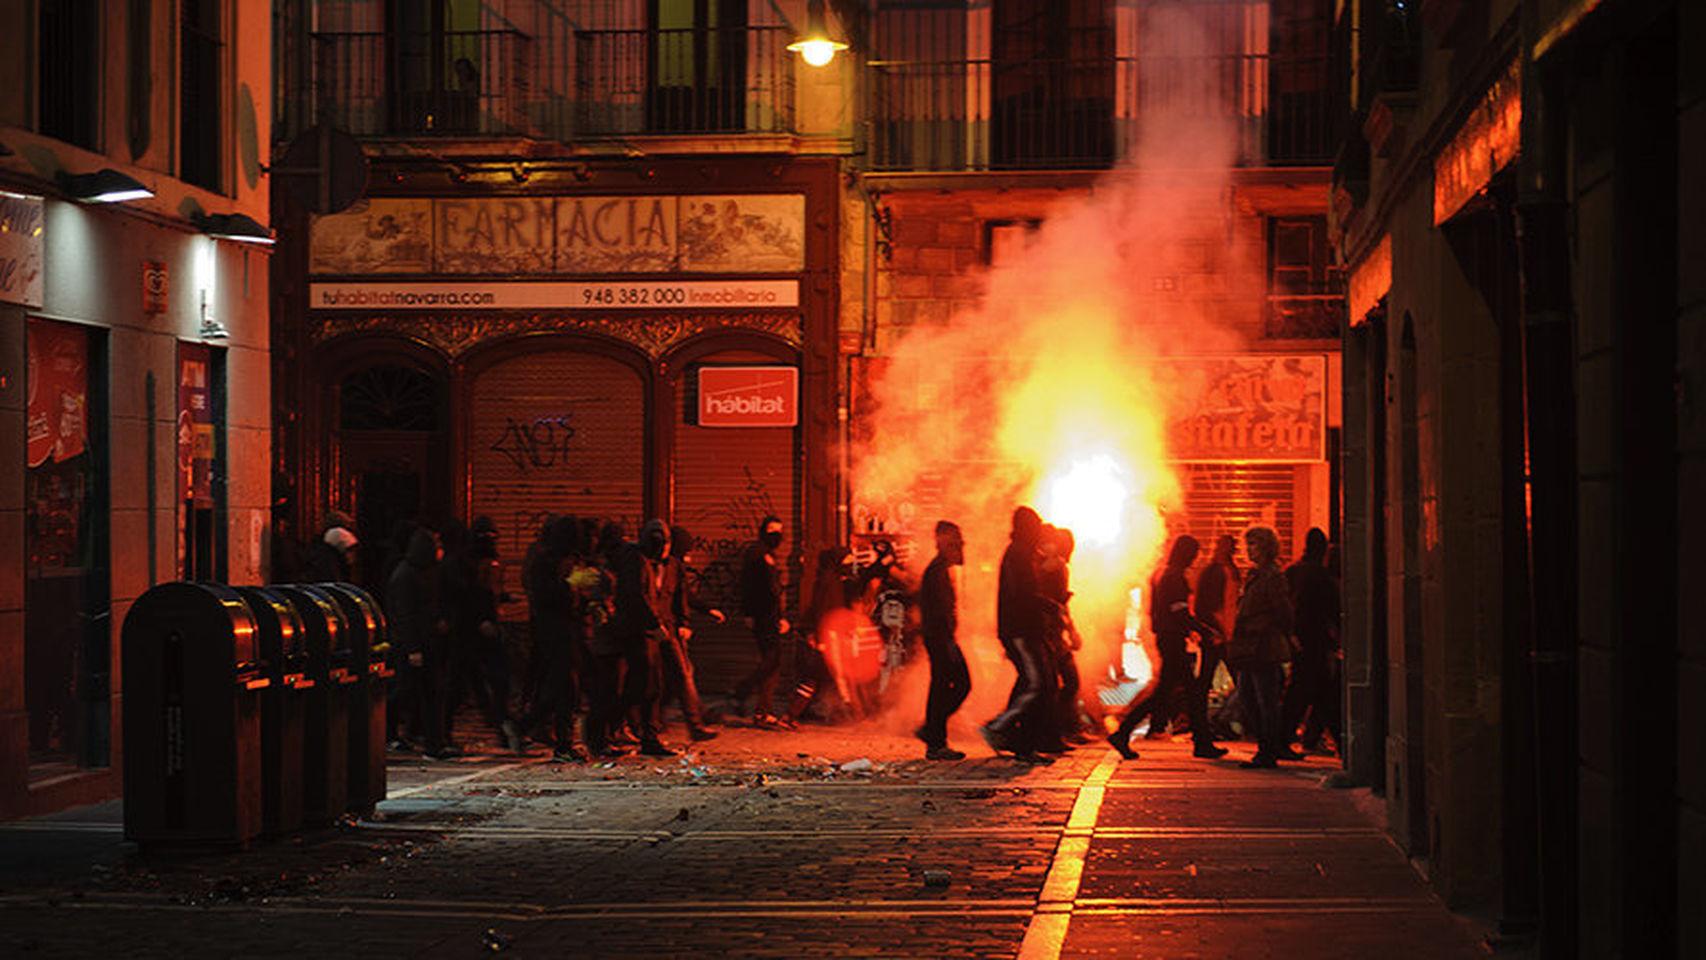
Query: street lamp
[815,46]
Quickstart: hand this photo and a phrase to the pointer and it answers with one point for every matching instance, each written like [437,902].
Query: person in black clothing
[483,662]
[1062,640]
[419,631]
[1216,604]
[761,601]
[1020,616]
[1170,616]
[1314,686]
[559,646]
[332,558]
[605,715]
[679,680]
[950,680]
[642,611]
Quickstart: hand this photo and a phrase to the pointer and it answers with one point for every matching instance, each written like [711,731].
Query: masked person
[596,582]
[939,614]
[1260,646]
[1314,685]
[559,643]
[642,612]
[677,658]
[1063,642]
[420,631]
[761,601]
[1171,618]
[1020,619]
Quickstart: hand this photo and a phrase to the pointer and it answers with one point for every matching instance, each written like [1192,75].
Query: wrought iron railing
[989,115]
[704,80]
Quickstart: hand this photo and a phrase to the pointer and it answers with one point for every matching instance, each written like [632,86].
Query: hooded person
[332,558]
[1313,688]
[1020,622]
[1260,646]
[641,614]
[1216,604]
[559,642]
[1171,618]
[939,618]
[1063,641]
[420,632]
[680,683]
[761,602]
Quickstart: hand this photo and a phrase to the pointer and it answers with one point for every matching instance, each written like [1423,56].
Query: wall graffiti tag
[540,444]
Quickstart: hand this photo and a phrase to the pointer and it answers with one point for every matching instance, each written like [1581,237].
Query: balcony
[689,81]
[1065,114]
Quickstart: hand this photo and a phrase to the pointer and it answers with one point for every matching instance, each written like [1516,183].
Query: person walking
[1020,622]
[761,601]
[597,581]
[1062,641]
[1260,646]
[938,605]
[679,681]
[1171,618]
[559,642]
[1216,605]
[420,631]
[1314,686]
[642,611]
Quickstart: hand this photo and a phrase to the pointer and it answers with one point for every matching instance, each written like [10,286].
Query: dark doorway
[392,462]
[1052,83]
[697,66]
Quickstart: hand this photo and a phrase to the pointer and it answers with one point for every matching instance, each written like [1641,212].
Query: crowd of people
[608,645]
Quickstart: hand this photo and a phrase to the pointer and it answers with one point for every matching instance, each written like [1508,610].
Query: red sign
[749,396]
[1252,409]
[58,384]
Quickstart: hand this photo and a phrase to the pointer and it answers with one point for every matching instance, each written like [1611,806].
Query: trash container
[325,743]
[368,646]
[192,718]
[280,640]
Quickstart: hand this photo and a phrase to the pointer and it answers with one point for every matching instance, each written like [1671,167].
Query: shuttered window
[1230,498]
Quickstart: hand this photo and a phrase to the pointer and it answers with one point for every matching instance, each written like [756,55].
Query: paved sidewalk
[762,845]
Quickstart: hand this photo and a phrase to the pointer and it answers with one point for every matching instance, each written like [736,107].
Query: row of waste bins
[251,711]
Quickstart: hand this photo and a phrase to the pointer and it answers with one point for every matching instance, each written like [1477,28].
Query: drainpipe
[1543,212]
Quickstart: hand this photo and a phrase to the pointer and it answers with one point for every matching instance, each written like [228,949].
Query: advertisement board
[749,396]
[1254,408]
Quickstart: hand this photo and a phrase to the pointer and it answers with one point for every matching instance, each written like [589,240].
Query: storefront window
[201,463]
[67,633]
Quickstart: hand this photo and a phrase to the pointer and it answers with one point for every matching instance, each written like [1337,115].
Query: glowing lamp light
[816,47]
[103,186]
[1089,499]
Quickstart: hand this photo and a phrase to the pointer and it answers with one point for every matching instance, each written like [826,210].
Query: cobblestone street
[762,844]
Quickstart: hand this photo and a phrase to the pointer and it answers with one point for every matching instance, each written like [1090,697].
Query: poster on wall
[375,236]
[57,439]
[20,249]
[195,425]
[1252,409]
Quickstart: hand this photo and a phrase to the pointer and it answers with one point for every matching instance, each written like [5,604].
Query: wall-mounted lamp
[815,46]
[103,186]
[234,226]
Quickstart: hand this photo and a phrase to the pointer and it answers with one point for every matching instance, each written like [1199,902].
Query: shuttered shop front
[556,432]
[726,479]
[1230,498]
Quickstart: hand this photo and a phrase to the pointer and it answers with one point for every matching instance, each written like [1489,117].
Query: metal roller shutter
[726,480]
[556,432]
[1230,498]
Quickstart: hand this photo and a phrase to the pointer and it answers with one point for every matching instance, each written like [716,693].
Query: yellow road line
[1046,934]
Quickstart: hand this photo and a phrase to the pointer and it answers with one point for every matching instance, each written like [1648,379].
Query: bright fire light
[1089,499]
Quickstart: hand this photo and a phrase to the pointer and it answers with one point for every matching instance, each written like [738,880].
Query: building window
[698,66]
[70,75]
[436,58]
[67,623]
[388,397]
[201,118]
[1052,82]
[1005,241]
[1305,290]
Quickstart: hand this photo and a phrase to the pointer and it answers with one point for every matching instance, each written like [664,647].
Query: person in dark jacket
[606,714]
[1020,622]
[642,612]
[419,630]
[332,558]
[487,672]
[939,618]
[680,585]
[1062,642]
[1216,604]
[761,602]
[1260,646]
[1314,685]
[1171,618]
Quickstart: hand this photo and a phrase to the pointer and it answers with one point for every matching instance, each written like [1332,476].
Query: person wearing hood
[419,631]
[761,601]
[1216,604]
[641,615]
[482,660]
[1171,618]
[332,558]
[1054,573]
[939,617]
[679,681]
[559,643]
[1020,621]
[1314,685]
[1260,646]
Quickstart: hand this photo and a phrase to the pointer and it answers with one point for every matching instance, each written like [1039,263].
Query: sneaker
[1208,751]
[943,753]
[512,736]
[1123,745]
[765,720]
[1259,762]
[568,755]
[653,748]
[700,734]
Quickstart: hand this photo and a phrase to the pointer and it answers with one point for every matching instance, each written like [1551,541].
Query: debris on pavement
[861,765]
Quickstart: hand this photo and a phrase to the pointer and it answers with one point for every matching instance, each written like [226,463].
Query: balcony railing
[988,115]
[710,80]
